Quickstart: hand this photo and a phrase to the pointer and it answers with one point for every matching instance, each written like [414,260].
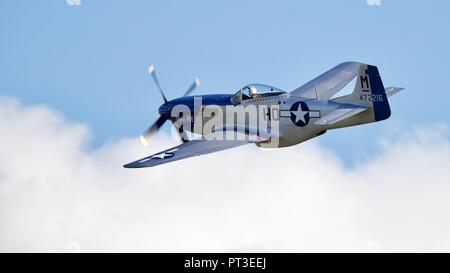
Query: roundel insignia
[300,113]
[164,155]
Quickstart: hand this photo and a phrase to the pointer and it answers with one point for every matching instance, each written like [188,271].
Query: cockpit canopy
[255,91]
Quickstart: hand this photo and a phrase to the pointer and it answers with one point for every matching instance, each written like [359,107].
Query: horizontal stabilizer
[392,90]
[338,115]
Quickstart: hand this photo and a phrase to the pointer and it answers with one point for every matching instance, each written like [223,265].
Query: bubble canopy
[255,91]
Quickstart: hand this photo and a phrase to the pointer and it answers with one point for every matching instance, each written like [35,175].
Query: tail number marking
[371,97]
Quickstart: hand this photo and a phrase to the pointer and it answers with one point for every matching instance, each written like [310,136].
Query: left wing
[338,115]
[185,150]
[195,148]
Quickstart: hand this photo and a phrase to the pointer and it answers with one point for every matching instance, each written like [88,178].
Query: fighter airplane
[278,118]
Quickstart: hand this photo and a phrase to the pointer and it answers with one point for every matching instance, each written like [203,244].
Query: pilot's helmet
[253,91]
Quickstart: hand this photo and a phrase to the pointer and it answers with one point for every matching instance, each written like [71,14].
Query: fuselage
[294,116]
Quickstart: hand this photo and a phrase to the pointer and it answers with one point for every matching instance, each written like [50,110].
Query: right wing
[330,82]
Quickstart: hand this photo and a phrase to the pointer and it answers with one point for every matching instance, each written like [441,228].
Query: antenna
[317,93]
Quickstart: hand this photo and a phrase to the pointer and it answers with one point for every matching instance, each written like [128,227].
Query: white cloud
[57,195]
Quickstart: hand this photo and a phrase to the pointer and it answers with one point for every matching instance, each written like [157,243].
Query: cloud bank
[56,194]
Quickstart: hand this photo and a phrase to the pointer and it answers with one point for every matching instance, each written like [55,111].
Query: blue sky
[89,61]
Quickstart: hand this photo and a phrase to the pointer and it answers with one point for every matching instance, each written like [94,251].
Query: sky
[75,95]
[89,61]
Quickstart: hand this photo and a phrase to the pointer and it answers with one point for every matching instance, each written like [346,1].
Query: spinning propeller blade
[151,71]
[162,119]
[152,130]
[194,85]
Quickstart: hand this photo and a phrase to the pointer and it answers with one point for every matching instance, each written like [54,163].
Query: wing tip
[132,165]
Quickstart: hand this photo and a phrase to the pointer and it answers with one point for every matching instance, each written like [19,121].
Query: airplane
[286,118]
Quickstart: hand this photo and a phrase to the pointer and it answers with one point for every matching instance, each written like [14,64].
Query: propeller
[152,130]
[194,85]
[151,71]
[162,119]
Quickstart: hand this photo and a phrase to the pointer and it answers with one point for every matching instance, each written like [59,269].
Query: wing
[392,90]
[330,82]
[194,148]
[338,115]
[185,150]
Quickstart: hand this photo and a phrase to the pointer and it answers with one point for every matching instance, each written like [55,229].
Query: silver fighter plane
[270,117]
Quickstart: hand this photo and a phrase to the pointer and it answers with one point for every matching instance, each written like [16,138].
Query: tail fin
[369,92]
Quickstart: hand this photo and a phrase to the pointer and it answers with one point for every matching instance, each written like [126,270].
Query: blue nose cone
[164,110]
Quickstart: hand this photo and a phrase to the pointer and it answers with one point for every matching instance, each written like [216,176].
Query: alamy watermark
[374,2]
[253,123]
[73,2]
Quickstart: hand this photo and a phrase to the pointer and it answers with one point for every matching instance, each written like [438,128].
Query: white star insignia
[162,155]
[165,154]
[299,114]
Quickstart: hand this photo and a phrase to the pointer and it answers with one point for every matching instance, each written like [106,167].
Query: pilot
[253,93]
